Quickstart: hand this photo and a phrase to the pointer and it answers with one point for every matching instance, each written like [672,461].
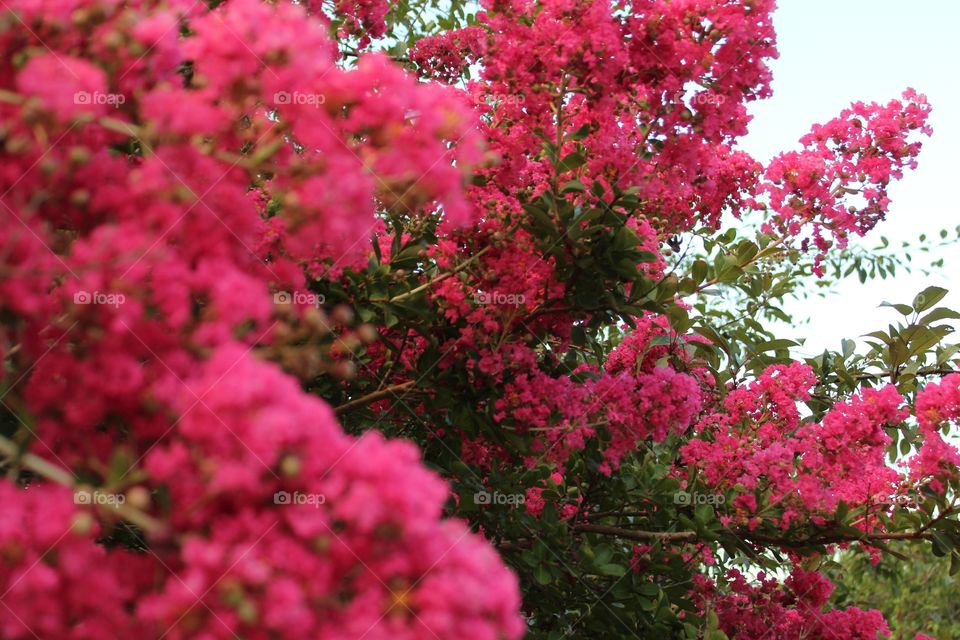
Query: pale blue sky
[834,52]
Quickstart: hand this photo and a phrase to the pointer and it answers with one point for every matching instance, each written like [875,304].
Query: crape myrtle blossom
[837,184]
[938,404]
[759,448]
[791,610]
[142,283]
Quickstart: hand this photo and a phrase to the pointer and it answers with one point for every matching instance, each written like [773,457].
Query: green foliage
[882,260]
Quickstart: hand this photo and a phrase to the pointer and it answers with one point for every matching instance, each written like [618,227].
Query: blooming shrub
[319,321]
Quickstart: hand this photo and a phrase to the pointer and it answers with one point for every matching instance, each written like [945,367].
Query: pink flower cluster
[54,580]
[633,400]
[791,611]
[837,184]
[445,56]
[338,564]
[152,210]
[636,81]
[363,17]
[510,292]
[758,448]
[937,404]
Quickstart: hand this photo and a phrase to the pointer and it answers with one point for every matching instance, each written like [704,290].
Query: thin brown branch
[930,371]
[635,534]
[426,285]
[373,397]
[691,536]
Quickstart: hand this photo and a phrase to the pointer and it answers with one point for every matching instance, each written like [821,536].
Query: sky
[832,53]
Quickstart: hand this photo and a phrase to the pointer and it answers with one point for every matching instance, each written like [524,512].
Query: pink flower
[837,184]
[66,86]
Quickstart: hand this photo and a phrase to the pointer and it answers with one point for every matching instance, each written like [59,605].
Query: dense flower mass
[346,532]
[838,183]
[447,55]
[757,447]
[634,399]
[792,610]
[655,97]
[54,579]
[937,405]
[310,331]
[161,289]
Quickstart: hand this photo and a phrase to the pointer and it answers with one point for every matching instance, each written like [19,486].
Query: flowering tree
[359,319]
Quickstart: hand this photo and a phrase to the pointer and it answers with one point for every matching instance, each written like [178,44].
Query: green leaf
[614,570]
[940,313]
[603,555]
[542,221]
[713,622]
[903,309]
[774,345]
[929,297]
[542,575]
[703,513]
[699,270]
[941,544]
[848,347]
[571,161]
[580,133]
[841,513]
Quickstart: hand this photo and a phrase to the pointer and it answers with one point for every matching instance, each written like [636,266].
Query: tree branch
[634,534]
[372,397]
[426,285]
[929,371]
[691,536]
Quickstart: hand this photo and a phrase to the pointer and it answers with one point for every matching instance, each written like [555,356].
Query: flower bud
[138,498]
